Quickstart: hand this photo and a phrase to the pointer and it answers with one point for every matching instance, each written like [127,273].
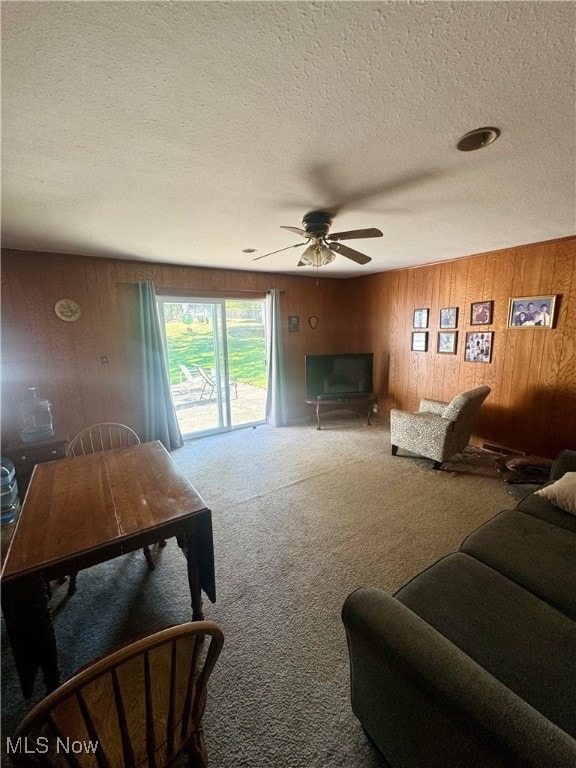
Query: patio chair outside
[211,383]
[207,380]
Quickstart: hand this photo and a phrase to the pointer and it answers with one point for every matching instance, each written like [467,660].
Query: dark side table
[357,404]
[25,456]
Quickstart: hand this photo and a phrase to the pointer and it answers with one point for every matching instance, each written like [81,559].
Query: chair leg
[149,560]
[197,753]
[72,584]
[394,450]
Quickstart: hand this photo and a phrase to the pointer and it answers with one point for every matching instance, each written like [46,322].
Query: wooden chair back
[141,705]
[101,437]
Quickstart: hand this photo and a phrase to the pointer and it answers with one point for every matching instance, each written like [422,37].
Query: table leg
[31,632]
[190,548]
[369,418]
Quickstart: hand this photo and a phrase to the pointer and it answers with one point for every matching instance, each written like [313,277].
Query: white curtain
[276,394]
[160,421]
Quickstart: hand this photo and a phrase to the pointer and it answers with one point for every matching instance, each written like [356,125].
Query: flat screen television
[338,377]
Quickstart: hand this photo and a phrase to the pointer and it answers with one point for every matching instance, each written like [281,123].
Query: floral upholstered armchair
[437,430]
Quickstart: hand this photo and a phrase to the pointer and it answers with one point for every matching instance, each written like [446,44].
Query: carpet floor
[301,517]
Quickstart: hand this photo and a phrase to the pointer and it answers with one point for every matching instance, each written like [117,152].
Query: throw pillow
[562,492]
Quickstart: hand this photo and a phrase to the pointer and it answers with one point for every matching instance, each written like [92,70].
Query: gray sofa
[472,664]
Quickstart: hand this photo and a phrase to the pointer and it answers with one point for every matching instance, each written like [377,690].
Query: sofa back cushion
[522,641]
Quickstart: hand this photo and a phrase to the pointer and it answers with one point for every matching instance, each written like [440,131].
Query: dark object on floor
[472,662]
[524,469]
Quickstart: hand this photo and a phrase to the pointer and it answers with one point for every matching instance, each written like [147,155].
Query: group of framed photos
[523,312]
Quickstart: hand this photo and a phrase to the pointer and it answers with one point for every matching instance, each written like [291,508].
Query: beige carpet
[301,518]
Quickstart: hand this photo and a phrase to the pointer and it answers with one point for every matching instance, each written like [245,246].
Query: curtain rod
[171,289]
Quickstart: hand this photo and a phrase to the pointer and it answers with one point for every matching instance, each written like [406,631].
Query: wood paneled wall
[63,360]
[532,406]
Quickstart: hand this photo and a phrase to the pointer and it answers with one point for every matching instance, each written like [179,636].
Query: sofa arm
[433,406]
[564,462]
[425,702]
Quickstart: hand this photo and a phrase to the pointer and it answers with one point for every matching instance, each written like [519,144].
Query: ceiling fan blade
[354,234]
[278,251]
[350,253]
[334,197]
[297,230]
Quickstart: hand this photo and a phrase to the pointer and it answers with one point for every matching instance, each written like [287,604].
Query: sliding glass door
[217,362]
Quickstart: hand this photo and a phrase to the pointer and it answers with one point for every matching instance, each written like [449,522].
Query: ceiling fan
[323,246]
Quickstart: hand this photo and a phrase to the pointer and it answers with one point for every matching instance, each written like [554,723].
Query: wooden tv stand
[344,403]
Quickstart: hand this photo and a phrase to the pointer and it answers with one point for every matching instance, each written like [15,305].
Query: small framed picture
[447,342]
[419,341]
[449,317]
[479,347]
[532,312]
[481,312]
[421,318]
[293,323]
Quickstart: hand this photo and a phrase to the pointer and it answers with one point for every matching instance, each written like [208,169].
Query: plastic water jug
[36,416]
[9,486]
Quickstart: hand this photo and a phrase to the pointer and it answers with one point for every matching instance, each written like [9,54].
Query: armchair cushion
[433,406]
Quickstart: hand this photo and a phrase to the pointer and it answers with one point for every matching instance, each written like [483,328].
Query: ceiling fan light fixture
[477,139]
[317,254]
[323,246]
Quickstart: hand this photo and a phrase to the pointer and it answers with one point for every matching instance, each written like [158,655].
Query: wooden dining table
[86,510]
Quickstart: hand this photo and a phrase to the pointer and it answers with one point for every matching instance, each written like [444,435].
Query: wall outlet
[374,407]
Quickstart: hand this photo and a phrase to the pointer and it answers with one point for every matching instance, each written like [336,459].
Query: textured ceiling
[186,132]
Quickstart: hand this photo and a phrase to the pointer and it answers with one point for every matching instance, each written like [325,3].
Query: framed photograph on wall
[449,317]
[481,312]
[419,341]
[447,342]
[420,318]
[479,347]
[532,312]
[293,323]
